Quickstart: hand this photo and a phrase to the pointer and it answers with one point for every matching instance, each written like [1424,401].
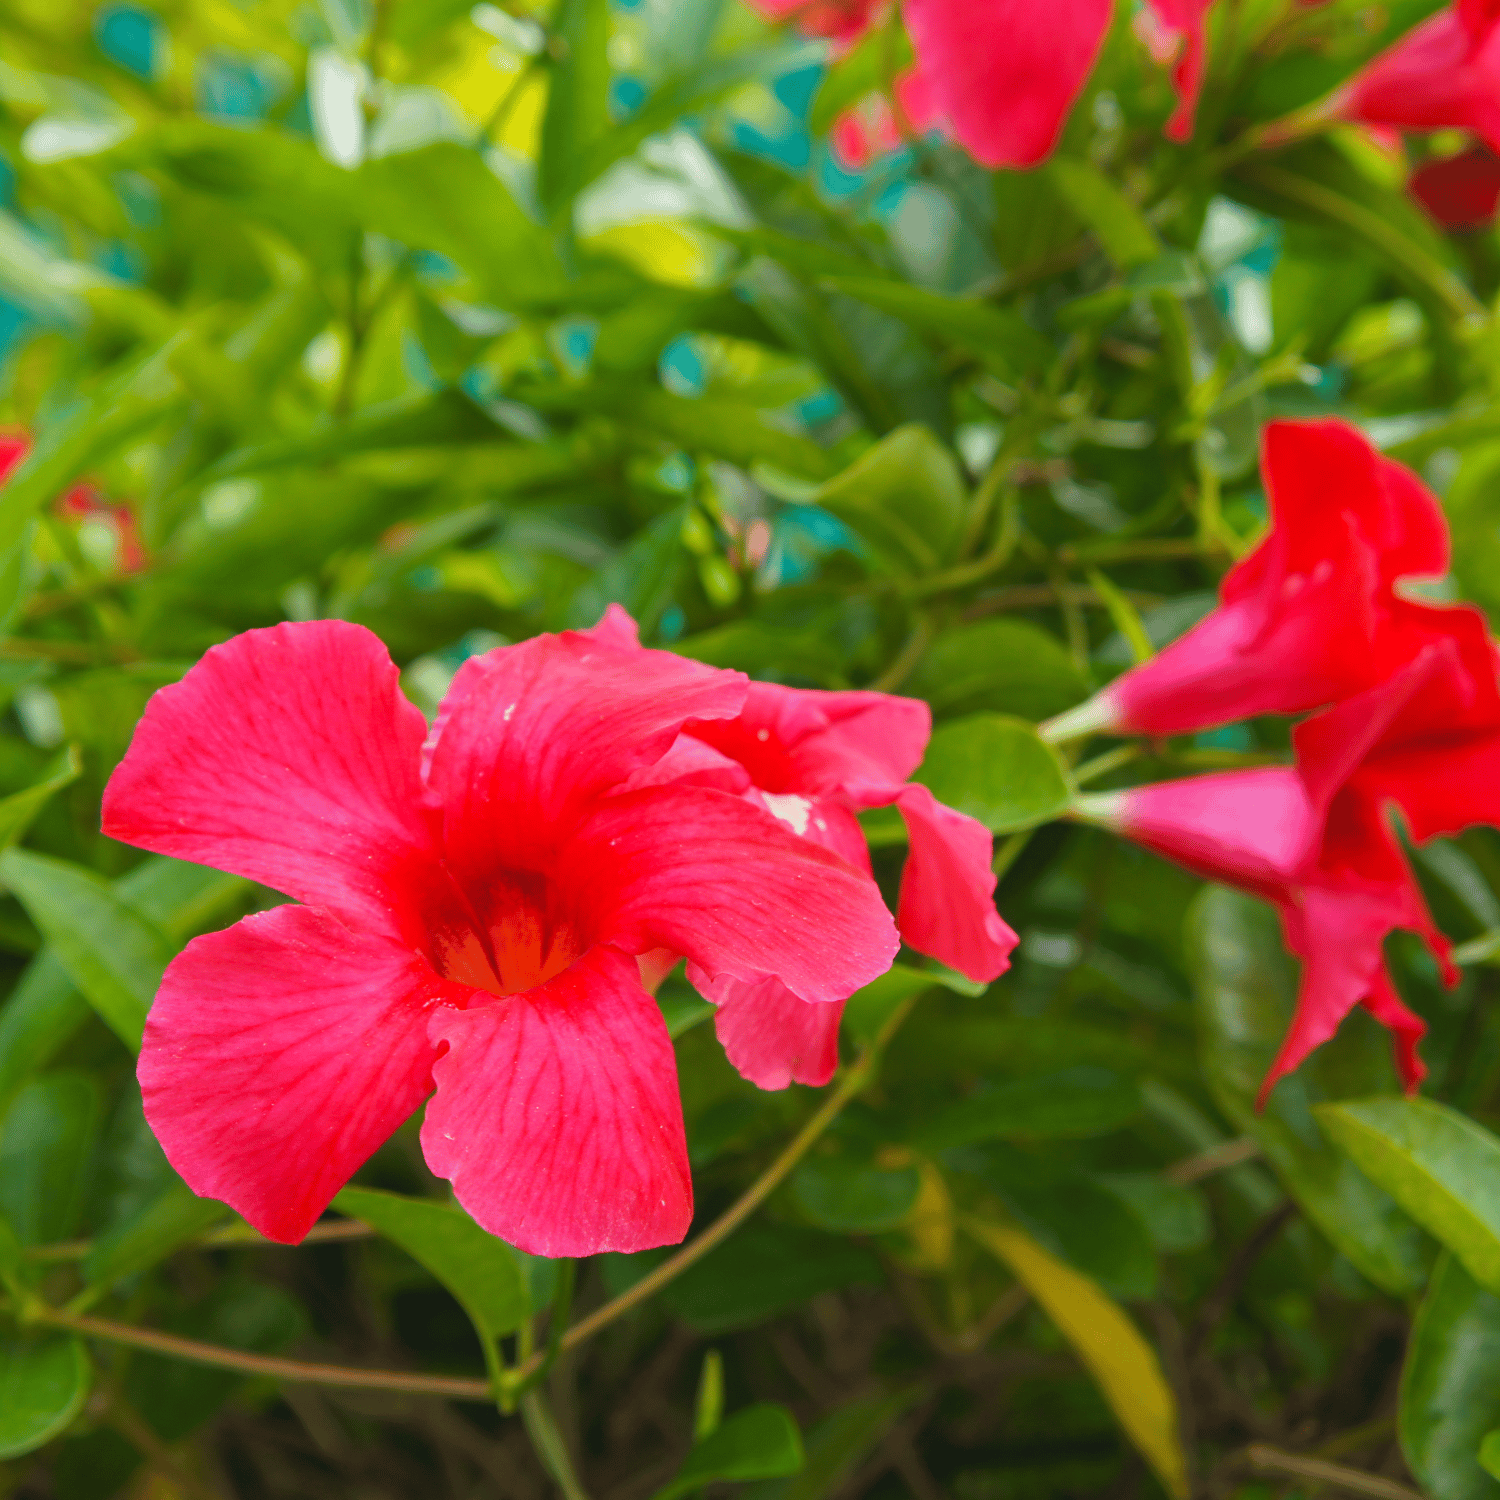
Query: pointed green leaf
[1440,1166]
[18,809]
[167,1222]
[112,953]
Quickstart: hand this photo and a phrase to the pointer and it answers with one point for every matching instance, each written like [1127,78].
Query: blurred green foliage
[463,323]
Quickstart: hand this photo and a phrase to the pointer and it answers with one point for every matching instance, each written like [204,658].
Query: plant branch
[453,1386]
[1355,1481]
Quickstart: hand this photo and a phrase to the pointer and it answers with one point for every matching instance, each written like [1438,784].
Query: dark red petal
[556,1116]
[279,1054]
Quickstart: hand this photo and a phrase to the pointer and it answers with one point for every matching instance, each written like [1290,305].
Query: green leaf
[836,1446]
[1245,985]
[997,770]
[1127,238]
[578,101]
[1075,1103]
[1006,666]
[761,1442]
[486,1275]
[1176,1217]
[43,1385]
[443,197]
[999,335]
[1450,1386]
[1122,1363]
[18,809]
[111,952]
[905,497]
[853,1197]
[41,1013]
[1489,1454]
[47,1148]
[168,1221]
[1439,1165]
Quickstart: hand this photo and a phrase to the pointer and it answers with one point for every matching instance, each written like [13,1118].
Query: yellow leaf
[669,254]
[930,1223]
[1122,1363]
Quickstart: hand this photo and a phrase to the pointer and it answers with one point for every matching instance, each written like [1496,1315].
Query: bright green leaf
[43,1384]
[1439,1165]
[997,770]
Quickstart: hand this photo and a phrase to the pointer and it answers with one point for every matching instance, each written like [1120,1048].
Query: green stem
[541,1428]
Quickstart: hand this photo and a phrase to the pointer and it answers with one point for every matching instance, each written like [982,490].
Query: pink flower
[1442,75]
[1312,614]
[843,20]
[474,903]
[1460,192]
[814,759]
[1317,840]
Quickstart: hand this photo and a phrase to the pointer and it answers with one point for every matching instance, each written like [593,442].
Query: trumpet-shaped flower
[1317,841]
[1442,75]
[473,903]
[1312,615]
[814,760]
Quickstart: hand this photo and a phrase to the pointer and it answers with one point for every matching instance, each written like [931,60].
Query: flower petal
[529,733]
[1186,18]
[947,903]
[557,1118]
[286,755]
[1006,73]
[771,1036]
[725,884]
[279,1054]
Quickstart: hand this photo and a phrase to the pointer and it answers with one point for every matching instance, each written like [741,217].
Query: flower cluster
[1408,718]
[1001,76]
[485,907]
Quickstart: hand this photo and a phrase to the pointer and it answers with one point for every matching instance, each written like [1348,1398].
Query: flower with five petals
[472,905]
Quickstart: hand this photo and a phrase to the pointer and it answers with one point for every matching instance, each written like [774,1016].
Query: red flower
[1442,75]
[83,502]
[1460,192]
[1317,840]
[843,20]
[1003,74]
[474,906]
[814,759]
[1312,614]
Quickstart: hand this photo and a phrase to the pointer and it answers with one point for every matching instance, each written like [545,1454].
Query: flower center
[519,936]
